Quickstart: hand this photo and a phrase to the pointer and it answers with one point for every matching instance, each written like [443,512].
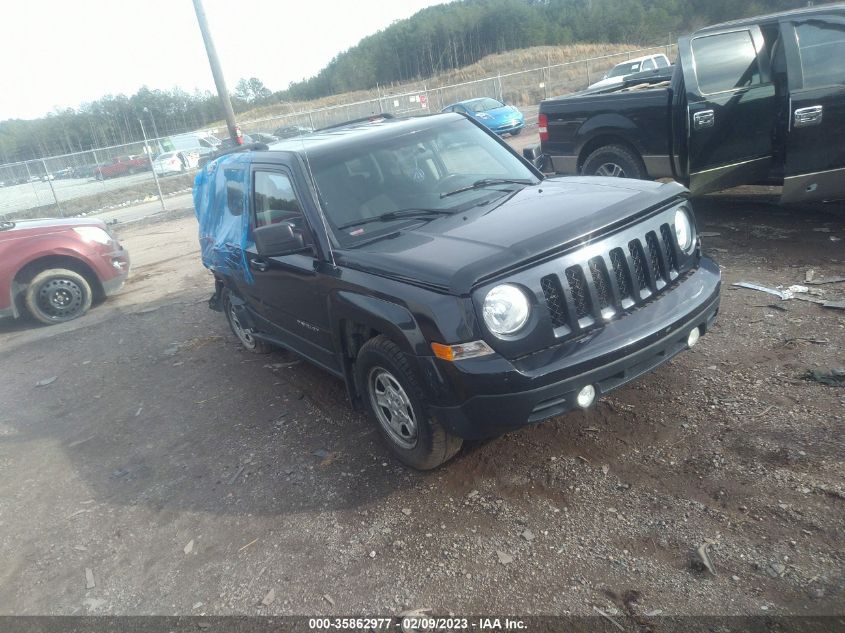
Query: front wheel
[615,161]
[395,402]
[248,340]
[516,132]
[57,295]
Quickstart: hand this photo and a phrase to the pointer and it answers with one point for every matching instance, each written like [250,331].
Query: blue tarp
[221,203]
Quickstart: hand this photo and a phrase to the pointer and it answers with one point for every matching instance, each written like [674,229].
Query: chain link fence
[120,175]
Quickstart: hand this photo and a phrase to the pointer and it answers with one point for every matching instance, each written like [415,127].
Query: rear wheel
[57,295]
[615,161]
[394,401]
[245,335]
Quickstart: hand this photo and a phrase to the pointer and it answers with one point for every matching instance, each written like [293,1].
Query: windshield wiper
[486,182]
[398,215]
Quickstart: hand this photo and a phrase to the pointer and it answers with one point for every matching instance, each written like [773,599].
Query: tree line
[436,39]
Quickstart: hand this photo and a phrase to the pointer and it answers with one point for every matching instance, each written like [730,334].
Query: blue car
[500,118]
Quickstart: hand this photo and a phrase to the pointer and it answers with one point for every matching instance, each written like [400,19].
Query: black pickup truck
[756,101]
[457,291]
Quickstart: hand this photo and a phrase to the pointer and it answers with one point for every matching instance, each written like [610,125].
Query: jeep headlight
[505,309]
[683,230]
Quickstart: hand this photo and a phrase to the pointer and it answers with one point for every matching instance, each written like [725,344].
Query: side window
[275,200]
[822,49]
[725,61]
[648,65]
[662,62]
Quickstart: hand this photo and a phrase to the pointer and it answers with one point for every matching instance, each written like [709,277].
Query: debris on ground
[268,599]
[835,377]
[608,618]
[406,511]
[798,288]
[827,280]
[46,381]
[89,578]
[237,474]
[528,535]
[704,557]
[809,275]
[328,599]
[709,233]
[783,294]
[189,547]
[836,305]
[504,557]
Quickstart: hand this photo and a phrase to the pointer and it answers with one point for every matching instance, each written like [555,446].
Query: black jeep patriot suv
[456,291]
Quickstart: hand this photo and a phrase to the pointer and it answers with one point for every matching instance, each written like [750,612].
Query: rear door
[731,108]
[815,139]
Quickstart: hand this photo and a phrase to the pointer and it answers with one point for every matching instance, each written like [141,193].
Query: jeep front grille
[612,283]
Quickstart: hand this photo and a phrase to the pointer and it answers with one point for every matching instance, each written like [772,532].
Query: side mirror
[277,239]
[532,153]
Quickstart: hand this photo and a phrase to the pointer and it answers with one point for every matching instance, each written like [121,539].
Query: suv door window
[648,65]
[822,49]
[275,200]
[662,62]
[725,61]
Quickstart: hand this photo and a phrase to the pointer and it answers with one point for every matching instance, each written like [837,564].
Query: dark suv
[456,291]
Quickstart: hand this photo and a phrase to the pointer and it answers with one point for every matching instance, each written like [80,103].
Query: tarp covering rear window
[221,203]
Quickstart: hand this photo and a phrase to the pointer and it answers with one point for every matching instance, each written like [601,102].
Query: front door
[731,108]
[288,293]
[815,141]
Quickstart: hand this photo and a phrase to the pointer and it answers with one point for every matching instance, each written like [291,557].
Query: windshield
[412,171]
[628,68]
[483,105]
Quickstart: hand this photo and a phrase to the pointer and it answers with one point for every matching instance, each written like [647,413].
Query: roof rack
[373,118]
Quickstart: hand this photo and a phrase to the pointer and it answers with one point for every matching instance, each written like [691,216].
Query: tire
[615,161]
[247,340]
[57,295]
[394,400]
[516,132]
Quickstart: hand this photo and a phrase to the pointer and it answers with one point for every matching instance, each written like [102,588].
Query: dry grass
[522,88]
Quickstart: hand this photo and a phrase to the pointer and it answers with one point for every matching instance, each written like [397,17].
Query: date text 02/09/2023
[418,623]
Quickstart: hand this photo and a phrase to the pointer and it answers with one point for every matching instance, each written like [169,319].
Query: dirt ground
[191,477]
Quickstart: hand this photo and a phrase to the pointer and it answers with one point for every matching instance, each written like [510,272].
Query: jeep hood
[455,253]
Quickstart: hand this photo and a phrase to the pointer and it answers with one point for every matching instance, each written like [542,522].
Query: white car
[175,162]
[617,74]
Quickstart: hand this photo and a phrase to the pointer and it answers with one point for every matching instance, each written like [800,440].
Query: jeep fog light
[505,309]
[461,351]
[586,397]
[694,335]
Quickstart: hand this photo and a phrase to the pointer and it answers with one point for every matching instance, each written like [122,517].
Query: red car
[54,269]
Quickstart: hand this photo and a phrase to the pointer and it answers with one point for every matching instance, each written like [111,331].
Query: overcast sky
[63,53]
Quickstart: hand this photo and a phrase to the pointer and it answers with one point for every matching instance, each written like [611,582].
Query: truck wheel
[245,336]
[57,295]
[613,160]
[394,401]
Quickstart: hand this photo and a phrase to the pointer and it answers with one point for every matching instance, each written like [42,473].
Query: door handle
[811,115]
[260,265]
[703,119]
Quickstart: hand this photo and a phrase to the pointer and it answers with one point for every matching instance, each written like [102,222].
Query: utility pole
[152,167]
[216,71]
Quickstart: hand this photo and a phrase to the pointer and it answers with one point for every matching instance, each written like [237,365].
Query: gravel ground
[166,471]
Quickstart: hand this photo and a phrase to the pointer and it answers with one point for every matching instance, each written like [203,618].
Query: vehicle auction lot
[190,476]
